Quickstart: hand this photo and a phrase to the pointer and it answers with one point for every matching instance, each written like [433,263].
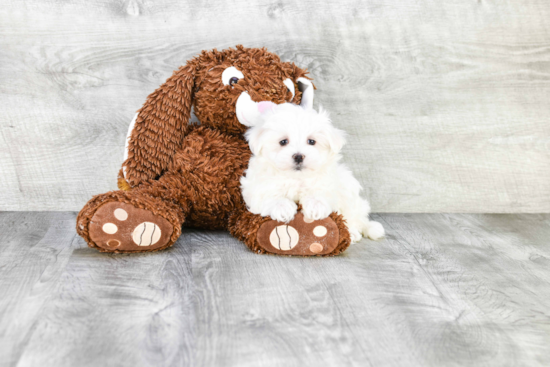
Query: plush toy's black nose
[298,158]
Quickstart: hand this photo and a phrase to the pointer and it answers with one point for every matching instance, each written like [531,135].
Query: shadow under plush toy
[180,174]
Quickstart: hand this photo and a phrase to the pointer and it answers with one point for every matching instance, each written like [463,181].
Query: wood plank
[445,103]
[266,310]
[441,289]
[489,276]
[118,310]
[35,249]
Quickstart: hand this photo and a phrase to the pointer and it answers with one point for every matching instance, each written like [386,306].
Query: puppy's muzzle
[298,158]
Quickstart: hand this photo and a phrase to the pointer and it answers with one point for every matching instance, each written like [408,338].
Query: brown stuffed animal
[180,174]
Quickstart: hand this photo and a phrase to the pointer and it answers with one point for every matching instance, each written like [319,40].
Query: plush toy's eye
[290,86]
[283,142]
[231,76]
[311,142]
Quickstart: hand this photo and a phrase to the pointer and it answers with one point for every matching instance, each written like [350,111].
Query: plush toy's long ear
[158,129]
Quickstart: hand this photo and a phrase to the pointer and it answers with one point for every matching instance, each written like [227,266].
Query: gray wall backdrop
[447,103]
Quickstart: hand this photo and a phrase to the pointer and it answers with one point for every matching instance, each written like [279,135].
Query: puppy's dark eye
[234,80]
[283,142]
[311,142]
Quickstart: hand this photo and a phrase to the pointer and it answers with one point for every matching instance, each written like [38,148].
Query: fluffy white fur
[275,181]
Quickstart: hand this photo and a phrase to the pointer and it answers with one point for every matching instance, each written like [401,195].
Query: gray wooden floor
[441,290]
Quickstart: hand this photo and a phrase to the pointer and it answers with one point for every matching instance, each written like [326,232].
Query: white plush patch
[320,231]
[121,214]
[229,73]
[290,85]
[247,110]
[126,144]
[146,234]
[110,228]
[249,113]
[284,237]
[306,87]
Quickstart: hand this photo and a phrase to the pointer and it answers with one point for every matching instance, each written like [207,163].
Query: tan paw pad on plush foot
[120,227]
[301,236]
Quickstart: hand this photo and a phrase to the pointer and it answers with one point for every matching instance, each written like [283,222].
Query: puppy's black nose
[298,158]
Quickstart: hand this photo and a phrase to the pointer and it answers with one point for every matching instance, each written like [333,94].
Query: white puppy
[296,160]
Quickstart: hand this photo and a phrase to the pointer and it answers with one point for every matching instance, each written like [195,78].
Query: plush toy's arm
[158,129]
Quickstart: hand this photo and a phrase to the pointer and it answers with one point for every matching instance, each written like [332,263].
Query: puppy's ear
[254,136]
[159,127]
[336,138]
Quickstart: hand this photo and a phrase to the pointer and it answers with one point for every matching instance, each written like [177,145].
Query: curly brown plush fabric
[187,174]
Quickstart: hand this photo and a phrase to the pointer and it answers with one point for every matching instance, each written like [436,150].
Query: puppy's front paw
[283,210]
[314,208]
[355,235]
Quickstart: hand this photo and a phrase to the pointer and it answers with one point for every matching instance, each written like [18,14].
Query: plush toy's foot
[303,237]
[121,227]
[127,222]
